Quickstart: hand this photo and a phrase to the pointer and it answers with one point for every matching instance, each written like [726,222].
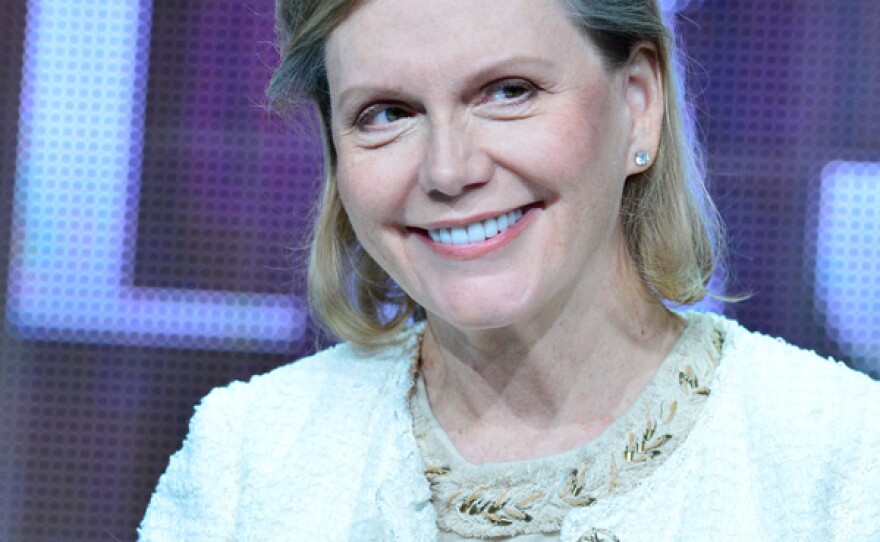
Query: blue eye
[381,115]
[510,90]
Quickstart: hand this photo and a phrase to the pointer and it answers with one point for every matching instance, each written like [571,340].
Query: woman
[512,193]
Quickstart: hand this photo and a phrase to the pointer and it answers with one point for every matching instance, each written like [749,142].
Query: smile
[476,232]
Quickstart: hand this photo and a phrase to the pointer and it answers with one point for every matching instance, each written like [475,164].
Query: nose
[453,163]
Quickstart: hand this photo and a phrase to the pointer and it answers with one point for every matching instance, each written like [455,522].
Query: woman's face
[482,151]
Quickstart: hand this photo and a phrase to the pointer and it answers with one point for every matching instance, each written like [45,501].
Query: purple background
[226,191]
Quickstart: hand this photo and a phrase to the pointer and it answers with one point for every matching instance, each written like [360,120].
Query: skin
[443,115]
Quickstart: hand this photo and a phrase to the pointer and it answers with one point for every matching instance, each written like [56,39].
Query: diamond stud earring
[643,159]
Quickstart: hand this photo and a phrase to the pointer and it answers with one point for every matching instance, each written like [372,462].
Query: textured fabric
[323,449]
[513,499]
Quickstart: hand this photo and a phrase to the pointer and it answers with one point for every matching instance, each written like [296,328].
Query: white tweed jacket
[787,447]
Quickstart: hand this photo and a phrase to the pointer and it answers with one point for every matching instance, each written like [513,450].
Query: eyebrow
[478,76]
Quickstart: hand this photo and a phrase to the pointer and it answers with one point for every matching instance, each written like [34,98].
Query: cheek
[373,197]
[587,146]
[361,212]
[363,189]
[376,184]
[558,153]
[587,134]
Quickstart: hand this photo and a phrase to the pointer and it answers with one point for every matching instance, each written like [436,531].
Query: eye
[510,90]
[380,115]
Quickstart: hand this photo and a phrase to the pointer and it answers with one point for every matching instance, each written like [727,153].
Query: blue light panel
[847,274]
[76,198]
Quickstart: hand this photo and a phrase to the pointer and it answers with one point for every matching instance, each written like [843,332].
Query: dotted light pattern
[675,6]
[88,428]
[847,275]
[77,196]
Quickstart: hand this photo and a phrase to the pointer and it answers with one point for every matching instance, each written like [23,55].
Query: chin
[474,322]
[482,313]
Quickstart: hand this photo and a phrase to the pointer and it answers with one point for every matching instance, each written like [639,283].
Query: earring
[643,159]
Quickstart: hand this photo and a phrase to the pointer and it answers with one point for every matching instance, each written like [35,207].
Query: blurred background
[151,214]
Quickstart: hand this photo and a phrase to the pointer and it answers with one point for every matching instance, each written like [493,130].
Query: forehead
[424,38]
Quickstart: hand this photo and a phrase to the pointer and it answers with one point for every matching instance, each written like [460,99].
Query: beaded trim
[598,535]
[533,496]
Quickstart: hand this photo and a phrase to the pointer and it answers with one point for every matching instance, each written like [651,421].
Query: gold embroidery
[717,340]
[529,500]
[453,497]
[598,535]
[435,472]
[474,496]
[498,511]
[499,502]
[647,447]
[690,382]
[497,520]
[571,493]
[577,487]
[516,513]
[613,483]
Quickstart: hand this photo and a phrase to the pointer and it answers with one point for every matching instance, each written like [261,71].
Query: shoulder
[341,377]
[773,371]
[802,426]
[786,402]
[274,450]
[332,398]
[790,405]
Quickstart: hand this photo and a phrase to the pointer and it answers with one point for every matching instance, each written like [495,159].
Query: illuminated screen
[153,217]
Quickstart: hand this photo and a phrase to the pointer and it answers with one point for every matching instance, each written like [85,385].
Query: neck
[554,382]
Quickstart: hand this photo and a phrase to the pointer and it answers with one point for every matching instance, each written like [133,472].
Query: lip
[464,222]
[476,250]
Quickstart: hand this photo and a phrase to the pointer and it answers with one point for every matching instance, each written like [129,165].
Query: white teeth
[459,236]
[491,227]
[476,232]
[503,223]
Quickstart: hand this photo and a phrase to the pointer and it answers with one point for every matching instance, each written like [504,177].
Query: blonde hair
[672,228]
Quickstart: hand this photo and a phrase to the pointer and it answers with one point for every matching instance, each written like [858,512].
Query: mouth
[478,231]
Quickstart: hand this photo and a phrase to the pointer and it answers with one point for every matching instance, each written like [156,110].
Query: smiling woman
[670,226]
[457,152]
[511,191]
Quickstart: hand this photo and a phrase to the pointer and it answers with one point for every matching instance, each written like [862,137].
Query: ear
[645,100]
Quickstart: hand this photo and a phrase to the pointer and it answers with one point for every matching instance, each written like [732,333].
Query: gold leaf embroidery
[579,501]
[499,502]
[497,520]
[657,442]
[529,500]
[568,484]
[452,497]
[598,535]
[613,483]
[436,471]
[672,410]
[518,514]
[580,481]
[474,496]
[496,505]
